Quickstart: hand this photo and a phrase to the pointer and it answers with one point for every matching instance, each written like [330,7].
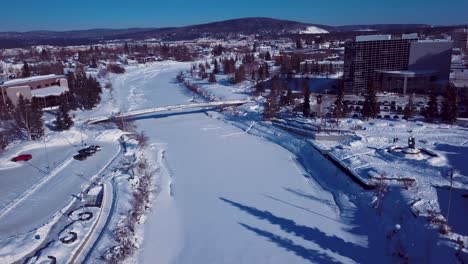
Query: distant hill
[378,27]
[233,27]
[246,26]
[256,25]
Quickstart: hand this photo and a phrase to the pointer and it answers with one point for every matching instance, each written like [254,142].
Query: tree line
[25,119]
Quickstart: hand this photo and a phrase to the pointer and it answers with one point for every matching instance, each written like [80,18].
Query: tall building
[460,38]
[399,65]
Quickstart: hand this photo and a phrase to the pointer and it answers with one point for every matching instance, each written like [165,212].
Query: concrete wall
[14,92]
[431,56]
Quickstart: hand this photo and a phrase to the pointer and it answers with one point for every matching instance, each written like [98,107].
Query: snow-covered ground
[234,189]
[313,30]
[31,193]
[370,153]
[231,197]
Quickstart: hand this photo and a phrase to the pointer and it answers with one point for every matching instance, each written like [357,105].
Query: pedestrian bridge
[136,113]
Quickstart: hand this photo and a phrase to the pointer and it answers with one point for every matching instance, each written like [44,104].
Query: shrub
[115,68]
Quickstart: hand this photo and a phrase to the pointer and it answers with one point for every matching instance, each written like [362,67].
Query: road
[31,194]
[227,196]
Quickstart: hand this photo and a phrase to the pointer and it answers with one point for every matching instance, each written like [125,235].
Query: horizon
[119,14]
[238,18]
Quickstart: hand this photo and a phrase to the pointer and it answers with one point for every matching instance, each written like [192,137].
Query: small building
[46,89]
[460,38]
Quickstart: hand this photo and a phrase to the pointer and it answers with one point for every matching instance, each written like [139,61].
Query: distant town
[347,143]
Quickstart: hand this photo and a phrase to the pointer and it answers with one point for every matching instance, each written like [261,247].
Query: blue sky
[65,15]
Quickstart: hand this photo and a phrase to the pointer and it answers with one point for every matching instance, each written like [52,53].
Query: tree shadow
[314,235]
[457,157]
[309,254]
[303,208]
[169,114]
[309,196]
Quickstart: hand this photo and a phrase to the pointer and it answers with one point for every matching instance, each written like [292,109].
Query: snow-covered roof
[407,73]
[32,79]
[49,91]
[373,37]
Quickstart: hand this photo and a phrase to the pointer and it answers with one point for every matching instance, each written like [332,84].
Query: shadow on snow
[314,235]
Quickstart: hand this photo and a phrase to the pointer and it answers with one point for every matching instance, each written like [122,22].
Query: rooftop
[32,79]
[373,37]
[407,73]
[49,91]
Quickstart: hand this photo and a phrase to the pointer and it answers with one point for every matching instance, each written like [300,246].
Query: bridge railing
[129,114]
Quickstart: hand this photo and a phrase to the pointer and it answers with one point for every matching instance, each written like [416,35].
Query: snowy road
[230,197]
[33,196]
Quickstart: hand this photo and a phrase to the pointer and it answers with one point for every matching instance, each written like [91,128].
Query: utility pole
[81,134]
[450,194]
[47,155]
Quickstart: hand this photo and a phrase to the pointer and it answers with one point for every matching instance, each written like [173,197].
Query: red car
[22,157]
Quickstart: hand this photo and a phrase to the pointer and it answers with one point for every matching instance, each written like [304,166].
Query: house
[46,89]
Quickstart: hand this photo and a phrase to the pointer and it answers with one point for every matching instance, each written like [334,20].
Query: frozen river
[227,196]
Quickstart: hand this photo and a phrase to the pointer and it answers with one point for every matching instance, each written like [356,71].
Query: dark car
[22,157]
[81,156]
[86,152]
[90,150]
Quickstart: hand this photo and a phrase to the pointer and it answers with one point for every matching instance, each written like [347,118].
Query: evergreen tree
[259,88]
[37,121]
[216,67]
[126,48]
[339,110]
[409,108]
[93,64]
[72,87]
[63,120]
[93,93]
[212,78]
[239,75]
[10,107]
[306,93]
[298,44]
[261,73]
[289,97]
[371,108]
[6,109]
[4,140]
[432,109]
[271,108]
[275,85]
[27,119]
[229,66]
[449,111]
[25,71]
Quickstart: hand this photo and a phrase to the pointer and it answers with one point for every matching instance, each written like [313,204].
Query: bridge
[136,113]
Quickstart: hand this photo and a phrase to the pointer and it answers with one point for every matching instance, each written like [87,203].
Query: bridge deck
[165,109]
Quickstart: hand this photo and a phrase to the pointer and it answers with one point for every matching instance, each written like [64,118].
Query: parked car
[81,156]
[22,157]
[86,152]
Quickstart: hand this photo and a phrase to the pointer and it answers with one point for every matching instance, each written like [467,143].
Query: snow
[30,79]
[231,188]
[30,193]
[366,154]
[228,196]
[313,30]
[49,91]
